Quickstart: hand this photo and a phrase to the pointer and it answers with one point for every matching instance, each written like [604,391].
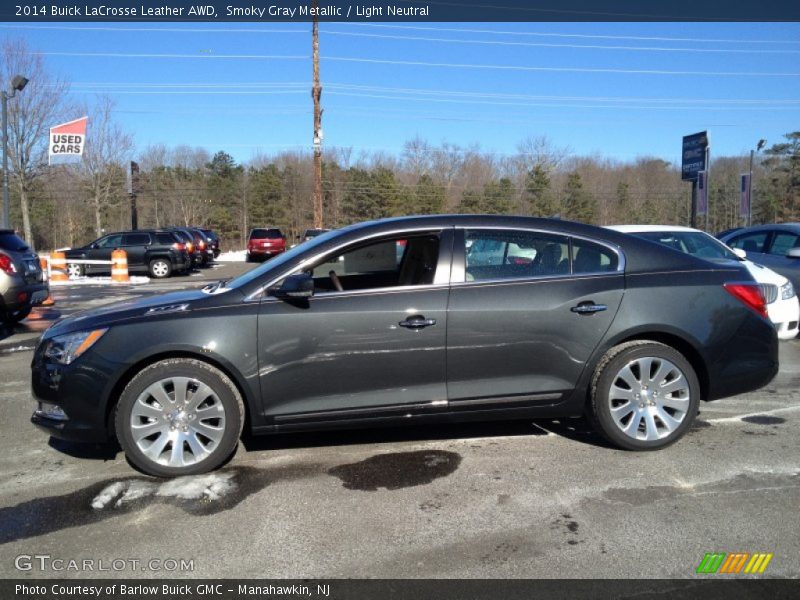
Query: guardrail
[58,265]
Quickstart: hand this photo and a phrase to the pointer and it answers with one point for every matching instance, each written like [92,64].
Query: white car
[782,304]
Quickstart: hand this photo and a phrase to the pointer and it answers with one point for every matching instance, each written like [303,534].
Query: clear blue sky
[263,104]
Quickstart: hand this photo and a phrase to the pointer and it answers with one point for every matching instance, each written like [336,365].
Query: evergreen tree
[579,205]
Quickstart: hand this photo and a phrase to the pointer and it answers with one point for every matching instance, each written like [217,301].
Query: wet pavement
[525,499]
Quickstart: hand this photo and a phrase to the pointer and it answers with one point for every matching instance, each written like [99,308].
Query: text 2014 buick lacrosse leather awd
[410,320]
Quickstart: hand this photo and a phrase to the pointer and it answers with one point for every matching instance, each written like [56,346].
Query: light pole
[17,85]
[759,146]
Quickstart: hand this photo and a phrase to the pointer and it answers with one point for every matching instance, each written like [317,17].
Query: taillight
[178,246]
[202,245]
[7,265]
[750,295]
[189,246]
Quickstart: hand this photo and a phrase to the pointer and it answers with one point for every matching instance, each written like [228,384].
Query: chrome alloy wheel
[74,270]
[649,398]
[177,421]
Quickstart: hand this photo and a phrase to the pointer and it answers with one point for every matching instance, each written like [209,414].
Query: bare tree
[108,148]
[30,115]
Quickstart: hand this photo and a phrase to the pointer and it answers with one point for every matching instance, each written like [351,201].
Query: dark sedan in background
[775,246]
[411,320]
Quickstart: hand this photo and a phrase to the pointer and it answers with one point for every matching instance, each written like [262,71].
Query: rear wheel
[74,270]
[160,268]
[644,396]
[15,316]
[179,417]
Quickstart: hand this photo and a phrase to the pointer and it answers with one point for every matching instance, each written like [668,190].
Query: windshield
[696,243]
[282,259]
[261,234]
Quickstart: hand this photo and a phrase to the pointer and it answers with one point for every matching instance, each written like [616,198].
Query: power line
[556,69]
[549,45]
[144,55]
[573,35]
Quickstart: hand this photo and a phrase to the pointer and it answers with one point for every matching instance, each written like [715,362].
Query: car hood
[140,308]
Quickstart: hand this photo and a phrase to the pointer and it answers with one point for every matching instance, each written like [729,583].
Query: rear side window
[782,243]
[588,257]
[265,234]
[750,242]
[167,239]
[503,254]
[12,242]
[136,239]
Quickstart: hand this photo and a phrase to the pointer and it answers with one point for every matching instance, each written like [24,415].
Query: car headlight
[64,349]
[787,290]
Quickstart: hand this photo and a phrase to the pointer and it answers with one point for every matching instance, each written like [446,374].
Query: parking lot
[526,499]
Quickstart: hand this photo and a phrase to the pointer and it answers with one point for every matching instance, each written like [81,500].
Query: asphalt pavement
[526,499]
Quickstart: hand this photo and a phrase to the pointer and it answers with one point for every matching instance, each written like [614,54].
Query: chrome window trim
[570,236]
[259,294]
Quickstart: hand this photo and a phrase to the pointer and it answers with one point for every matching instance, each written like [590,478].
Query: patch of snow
[108,494]
[234,256]
[211,487]
[84,280]
[17,349]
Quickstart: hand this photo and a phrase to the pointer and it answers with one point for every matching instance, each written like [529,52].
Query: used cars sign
[694,155]
[68,139]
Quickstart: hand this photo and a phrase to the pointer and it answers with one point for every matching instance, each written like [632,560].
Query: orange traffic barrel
[119,266]
[43,264]
[58,267]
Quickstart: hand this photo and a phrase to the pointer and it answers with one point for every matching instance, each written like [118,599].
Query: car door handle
[417,322]
[588,308]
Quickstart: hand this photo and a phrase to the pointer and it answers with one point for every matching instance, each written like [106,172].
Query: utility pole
[316,94]
[758,148]
[18,83]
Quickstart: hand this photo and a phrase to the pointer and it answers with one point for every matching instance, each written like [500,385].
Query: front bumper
[80,389]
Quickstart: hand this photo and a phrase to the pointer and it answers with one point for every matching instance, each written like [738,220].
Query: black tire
[248,258]
[15,316]
[160,268]
[606,374]
[222,387]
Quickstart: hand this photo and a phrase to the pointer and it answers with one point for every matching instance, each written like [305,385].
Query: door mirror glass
[740,253]
[300,285]
[793,253]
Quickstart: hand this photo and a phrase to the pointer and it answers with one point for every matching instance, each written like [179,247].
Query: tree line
[71,204]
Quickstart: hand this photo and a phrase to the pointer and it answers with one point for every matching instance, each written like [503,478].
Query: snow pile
[235,256]
[134,280]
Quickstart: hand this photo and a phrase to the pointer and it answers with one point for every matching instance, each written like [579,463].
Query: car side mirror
[300,285]
[93,246]
[740,253]
[793,253]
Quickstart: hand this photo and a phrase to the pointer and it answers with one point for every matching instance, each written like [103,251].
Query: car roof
[647,228]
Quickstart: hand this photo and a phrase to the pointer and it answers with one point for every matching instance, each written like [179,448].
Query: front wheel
[160,268]
[179,417]
[644,396]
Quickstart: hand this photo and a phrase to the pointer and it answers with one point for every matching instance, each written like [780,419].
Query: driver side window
[110,241]
[407,260]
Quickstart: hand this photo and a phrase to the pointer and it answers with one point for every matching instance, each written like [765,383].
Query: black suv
[154,251]
[200,251]
[22,283]
[213,239]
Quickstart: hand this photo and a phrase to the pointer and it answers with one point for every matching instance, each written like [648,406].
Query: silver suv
[23,285]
